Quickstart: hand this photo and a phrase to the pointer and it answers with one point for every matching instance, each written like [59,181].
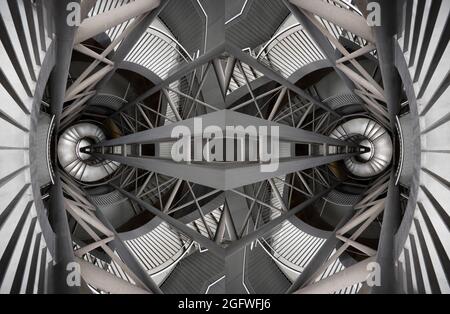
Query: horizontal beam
[219,177]
[222,119]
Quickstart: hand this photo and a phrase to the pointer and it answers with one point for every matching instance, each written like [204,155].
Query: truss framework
[299,112]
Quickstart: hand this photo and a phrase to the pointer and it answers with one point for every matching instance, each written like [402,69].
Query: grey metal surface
[262,275]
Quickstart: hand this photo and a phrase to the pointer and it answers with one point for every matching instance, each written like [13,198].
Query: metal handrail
[159,52]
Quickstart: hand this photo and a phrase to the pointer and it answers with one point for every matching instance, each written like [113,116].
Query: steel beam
[65,35]
[212,175]
[320,257]
[361,247]
[130,41]
[237,245]
[105,281]
[357,53]
[63,240]
[235,211]
[344,18]
[384,35]
[354,274]
[127,257]
[229,69]
[95,25]
[277,103]
[385,253]
[220,75]
[224,118]
[172,195]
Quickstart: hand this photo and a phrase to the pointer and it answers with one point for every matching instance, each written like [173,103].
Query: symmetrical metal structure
[92,199]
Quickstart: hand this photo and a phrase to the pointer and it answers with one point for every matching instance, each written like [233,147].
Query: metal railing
[334,268]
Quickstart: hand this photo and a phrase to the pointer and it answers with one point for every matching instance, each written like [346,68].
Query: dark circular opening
[82,144]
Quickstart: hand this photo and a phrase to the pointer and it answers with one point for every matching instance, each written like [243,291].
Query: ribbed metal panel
[158,52]
[423,256]
[42,145]
[159,248]
[186,22]
[341,199]
[259,21]
[342,100]
[108,199]
[262,275]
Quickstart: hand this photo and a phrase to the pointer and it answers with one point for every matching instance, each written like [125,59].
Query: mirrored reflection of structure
[87,174]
